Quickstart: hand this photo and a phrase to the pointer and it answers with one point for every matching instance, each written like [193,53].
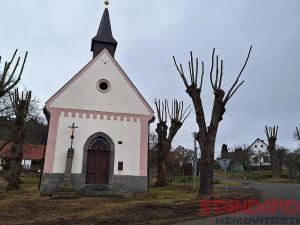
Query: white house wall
[257,148]
[260,146]
[129,132]
[83,93]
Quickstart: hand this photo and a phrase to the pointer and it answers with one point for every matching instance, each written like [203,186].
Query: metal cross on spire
[106,3]
[73,127]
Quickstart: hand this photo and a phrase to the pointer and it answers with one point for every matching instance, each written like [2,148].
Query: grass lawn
[165,205]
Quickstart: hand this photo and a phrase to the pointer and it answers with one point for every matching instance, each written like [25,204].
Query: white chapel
[111,141]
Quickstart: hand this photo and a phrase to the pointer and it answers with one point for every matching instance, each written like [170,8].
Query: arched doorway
[98,161]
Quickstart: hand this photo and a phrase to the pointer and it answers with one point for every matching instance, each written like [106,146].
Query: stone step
[97,187]
[98,190]
[3,185]
[108,193]
[64,194]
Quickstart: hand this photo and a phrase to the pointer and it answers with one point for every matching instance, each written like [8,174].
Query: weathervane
[72,133]
[106,3]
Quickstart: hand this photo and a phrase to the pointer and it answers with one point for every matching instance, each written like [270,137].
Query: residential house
[259,153]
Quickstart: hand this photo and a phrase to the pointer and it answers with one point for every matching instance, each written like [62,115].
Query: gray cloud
[57,35]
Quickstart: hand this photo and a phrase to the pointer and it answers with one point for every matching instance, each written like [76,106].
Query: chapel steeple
[104,37]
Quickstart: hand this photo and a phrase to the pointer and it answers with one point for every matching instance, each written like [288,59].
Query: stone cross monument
[66,189]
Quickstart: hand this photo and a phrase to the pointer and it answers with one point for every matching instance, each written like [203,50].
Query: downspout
[47,115]
[148,167]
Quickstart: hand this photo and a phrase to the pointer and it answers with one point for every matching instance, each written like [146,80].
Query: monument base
[66,189]
[64,194]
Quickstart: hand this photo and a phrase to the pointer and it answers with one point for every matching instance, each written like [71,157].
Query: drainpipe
[47,115]
[148,167]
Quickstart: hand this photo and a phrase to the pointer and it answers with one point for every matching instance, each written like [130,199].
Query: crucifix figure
[72,133]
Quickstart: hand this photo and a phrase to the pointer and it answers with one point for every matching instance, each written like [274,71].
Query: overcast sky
[58,35]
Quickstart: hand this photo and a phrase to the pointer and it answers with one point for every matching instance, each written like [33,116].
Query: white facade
[83,93]
[120,115]
[260,156]
[112,120]
[128,132]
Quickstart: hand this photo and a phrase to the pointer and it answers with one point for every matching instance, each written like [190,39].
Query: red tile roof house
[32,154]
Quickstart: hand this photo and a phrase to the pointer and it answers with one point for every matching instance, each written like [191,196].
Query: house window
[262,146]
[255,146]
[103,85]
[120,166]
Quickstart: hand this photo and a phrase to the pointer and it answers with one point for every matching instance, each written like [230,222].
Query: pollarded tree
[20,105]
[166,134]
[7,112]
[272,133]
[206,136]
[7,76]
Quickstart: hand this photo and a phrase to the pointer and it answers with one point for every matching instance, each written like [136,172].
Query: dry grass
[161,206]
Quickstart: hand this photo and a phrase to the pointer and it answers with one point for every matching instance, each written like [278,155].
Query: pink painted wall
[50,150]
[53,130]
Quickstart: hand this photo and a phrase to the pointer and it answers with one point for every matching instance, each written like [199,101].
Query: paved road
[270,191]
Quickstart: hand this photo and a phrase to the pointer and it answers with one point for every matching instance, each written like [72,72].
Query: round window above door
[103,86]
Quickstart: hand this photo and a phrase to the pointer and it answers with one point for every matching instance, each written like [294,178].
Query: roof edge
[131,84]
[54,96]
[57,93]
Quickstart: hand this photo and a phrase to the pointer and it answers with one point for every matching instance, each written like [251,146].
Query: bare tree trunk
[271,133]
[21,107]
[15,169]
[206,136]
[16,157]
[162,154]
[14,176]
[161,174]
[165,135]
[206,170]
[276,172]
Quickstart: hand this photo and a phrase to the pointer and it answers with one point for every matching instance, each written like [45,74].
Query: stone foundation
[130,185]
[125,185]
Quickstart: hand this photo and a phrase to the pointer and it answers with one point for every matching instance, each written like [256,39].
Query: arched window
[99,144]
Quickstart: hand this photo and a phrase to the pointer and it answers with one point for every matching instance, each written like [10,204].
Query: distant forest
[35,131]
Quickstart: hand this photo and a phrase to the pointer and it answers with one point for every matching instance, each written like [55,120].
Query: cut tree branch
[233,87]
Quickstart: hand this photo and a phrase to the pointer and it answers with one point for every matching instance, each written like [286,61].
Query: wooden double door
[98,162]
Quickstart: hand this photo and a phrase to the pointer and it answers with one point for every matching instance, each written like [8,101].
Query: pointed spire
[104,37]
